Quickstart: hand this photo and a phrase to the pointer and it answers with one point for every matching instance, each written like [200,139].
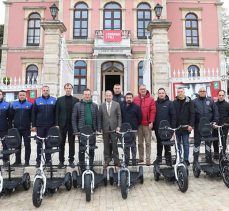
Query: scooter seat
[211,139]
[51,151]
[168,143]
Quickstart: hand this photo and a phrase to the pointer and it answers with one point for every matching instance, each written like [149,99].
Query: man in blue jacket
[43,119]
[131,113]
[21,113]
[4,122]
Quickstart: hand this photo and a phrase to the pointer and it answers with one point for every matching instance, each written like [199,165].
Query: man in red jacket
[148,109]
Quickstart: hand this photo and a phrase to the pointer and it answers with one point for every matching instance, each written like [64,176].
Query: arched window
[33,32]
[191,30]
[80,77]
[140,73]
[112,16]
[193,71]
[80,21]
[31,74]
[143,19]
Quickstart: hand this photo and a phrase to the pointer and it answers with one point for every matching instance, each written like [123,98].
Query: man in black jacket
[164,111]
[64,106]
[43,119]
[185,114]
[223,108]
[131,113]
[117,96]
[84,113]
[21,114]
[5,123]
[204,107]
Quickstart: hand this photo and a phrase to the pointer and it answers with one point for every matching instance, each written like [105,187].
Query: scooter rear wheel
[196,171]
[26,182]
[74,179]
[111,176]
[87,186]
[68,181]
[156,174]
[182,179]
[123,184]
[225,174]
[141,174]
[37,192]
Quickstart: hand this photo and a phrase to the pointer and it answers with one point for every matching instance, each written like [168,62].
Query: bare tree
[225,24]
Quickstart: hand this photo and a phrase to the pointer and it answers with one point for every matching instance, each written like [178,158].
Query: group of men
[141,112]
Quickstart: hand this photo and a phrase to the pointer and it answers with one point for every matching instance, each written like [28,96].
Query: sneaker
[134,163]
[61,165]
[216,156]
[26,164]
[38,164]
[48,163]
[168,162]
[105,164]
[187,162]
[158,161]
[16,164]
[72,164]
[148,163]
[141,160]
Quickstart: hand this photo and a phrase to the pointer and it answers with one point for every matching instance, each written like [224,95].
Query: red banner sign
[112,35]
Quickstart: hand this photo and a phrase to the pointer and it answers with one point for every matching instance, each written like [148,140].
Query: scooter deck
[168,173]
[54,183]
[99,178]
[11,184]
[134,177]
[211,169]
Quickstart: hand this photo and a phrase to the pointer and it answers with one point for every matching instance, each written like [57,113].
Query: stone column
[4,47]
[53,30]
[160,68]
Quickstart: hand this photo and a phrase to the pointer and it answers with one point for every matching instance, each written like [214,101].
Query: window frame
[192,29]
[112,18]
[143,20]
[32,73]
[34,28]
[80,77]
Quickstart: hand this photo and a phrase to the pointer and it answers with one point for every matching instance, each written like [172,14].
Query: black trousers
[71,141]
[27,143]
[2,134]
[196,147]
[42,132]
[224,140]
[133,150]
[160,148]
[82,151]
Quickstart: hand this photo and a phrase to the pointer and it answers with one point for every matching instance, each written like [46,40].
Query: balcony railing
[203,75]
[8,84]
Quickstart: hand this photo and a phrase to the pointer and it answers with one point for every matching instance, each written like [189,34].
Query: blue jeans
[183,139]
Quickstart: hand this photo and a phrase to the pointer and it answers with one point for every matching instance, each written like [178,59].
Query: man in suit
[110,119]
[64,106]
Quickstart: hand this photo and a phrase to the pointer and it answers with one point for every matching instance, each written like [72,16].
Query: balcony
[112,42]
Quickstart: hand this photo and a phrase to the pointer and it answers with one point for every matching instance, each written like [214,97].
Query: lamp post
[158,9]
[54,11]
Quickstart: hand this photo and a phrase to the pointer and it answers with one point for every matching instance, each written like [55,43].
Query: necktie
[109,109]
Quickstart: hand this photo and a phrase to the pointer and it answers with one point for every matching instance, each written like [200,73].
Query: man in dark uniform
[204,107]
[117,96]
[5,123]
[223,108]
[64,106]
[43,119]
[21,113]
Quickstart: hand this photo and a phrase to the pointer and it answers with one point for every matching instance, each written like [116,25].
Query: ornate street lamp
[158,9]
[54,11]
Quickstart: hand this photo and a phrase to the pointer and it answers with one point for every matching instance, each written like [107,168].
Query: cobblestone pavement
[204,193]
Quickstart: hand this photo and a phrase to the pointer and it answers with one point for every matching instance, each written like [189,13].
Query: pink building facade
[105,43]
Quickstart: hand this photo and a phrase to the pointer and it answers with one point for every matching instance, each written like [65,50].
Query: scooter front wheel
[37,192]
[87,186]
[182,179]
[123,184]
[156,174]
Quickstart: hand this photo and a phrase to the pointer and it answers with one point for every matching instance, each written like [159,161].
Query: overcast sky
[2,8]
